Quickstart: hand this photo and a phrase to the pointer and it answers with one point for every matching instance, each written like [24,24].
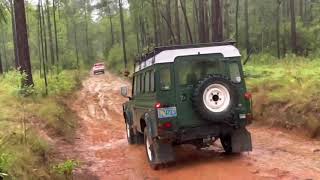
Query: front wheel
[130,134]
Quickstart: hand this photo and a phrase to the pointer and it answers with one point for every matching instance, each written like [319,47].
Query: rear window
[191,69]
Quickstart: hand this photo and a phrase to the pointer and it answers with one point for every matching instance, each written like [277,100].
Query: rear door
[188,71]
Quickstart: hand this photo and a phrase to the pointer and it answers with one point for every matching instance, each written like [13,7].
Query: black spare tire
[215,98]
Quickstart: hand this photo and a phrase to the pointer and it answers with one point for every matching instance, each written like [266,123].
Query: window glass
[191,69]
[235,75]
[147,82]
[138,84]
[152,88]
[165,79]
[135,86]
[142,83]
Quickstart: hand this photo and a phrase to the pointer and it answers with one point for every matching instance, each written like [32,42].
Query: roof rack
[159,49]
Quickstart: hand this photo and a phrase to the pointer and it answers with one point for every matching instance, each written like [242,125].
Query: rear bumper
[240,137]
[189,134]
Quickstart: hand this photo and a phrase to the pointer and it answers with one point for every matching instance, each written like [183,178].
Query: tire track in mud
[101,146]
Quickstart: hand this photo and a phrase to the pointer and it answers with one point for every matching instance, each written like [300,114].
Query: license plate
[167,112]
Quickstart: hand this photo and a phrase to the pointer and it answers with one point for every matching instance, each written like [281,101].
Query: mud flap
[163,153]
[241,141]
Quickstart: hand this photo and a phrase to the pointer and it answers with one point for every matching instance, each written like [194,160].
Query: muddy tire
[226,144]
[215,98]
[130,134]
[150,151]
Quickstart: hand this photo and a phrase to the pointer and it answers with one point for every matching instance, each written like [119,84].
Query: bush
[66,168]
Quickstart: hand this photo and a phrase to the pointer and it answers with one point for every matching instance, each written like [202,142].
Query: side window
[165,79]
[234,73]
[135,86]
[147,82]
[138,84]
[142,83]
[152,87]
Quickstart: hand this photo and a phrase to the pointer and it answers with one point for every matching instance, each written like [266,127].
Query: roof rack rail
[159,49]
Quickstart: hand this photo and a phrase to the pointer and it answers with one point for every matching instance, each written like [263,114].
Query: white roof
[168,56]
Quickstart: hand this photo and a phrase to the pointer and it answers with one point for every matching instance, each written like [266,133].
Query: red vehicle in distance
[98,68]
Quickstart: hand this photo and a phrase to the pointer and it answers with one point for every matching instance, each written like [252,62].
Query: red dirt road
[104,153]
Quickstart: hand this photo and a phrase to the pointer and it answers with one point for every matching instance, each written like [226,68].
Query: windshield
[191,69]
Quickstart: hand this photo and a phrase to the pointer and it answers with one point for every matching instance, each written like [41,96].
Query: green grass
[286,92]
[24,152]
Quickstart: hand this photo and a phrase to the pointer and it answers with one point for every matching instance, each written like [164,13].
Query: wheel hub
[216,98]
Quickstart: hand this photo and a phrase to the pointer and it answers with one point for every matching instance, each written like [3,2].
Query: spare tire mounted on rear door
[215,98]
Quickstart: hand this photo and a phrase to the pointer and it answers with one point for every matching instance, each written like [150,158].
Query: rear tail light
[157,105]
[248,96]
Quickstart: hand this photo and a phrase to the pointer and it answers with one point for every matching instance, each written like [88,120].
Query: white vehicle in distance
[98,68]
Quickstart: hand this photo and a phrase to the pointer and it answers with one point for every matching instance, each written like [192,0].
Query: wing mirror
[124,92]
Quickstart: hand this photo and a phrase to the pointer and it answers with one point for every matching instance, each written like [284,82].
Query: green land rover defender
[192,94]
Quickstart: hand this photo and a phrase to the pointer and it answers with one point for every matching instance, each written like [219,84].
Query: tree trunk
[237,22]
[293,27]
[75,36]
[246,11]
[217,33]
[123,36]
[278,3]
[4,50]
[87,30]
[301,9]
[111,25]
[50,33]
[226,19]
[44,54]
[14,39]
[177,21]
[170,32]
[206,21]
[39,38]
[1,67]
[22,42]
[201,25]
[155,24]
[196,20]
[160,31]
[188,29]
[55,30]
[45,59]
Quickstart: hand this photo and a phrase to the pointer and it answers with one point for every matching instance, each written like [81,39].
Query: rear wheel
[150,151]
[226,143]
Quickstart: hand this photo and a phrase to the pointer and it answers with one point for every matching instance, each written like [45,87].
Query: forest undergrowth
[286,92]
[27,123]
